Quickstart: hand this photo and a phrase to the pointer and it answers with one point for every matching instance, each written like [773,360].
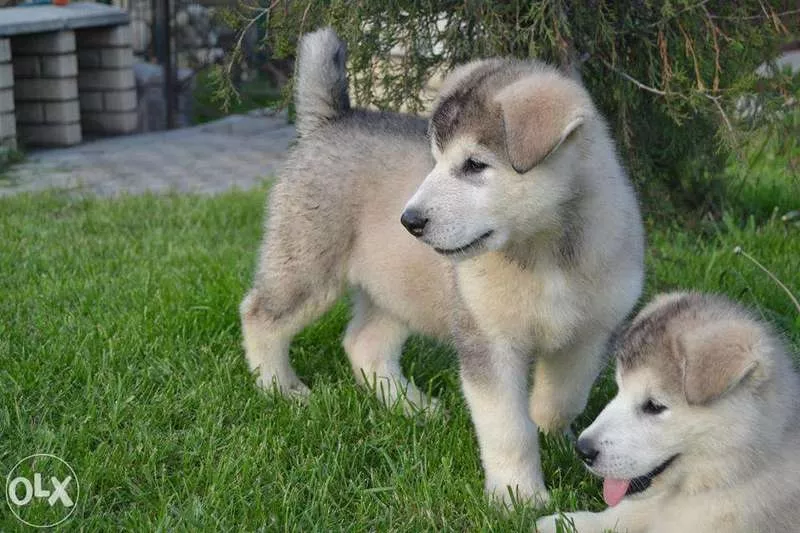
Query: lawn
[120,353]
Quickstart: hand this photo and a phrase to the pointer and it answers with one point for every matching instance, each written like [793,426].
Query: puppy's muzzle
[414,221]
[587,451]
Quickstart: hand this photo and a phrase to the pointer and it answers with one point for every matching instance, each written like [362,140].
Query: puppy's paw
[546,524]
[555,523]
[288,386]
[397,390]
[423,405]
[508,497]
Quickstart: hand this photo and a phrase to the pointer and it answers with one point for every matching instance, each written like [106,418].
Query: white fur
[738,458]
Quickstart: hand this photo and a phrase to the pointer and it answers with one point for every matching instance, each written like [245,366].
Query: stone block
[8,125]
[120,100]
[30,113]
[116,57]
[52,89]
[140,35]
[89,58]
[106,79]
[6,76]
[5,50]
[104,37]
[50,134]
[62,112]
[57,42]
[113,123]
[6,100]
[59,66]
[27,67]
[91,100]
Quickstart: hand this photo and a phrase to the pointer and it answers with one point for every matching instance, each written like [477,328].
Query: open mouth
[467,247]
[616,489]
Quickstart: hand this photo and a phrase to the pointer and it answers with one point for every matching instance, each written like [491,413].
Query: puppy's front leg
[627,517]
[494,378]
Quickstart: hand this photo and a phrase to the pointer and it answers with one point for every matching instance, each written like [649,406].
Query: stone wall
[46,89]
[65,85]
[106,83]
[197,34]
[8,123]
[65,71]
[152,105]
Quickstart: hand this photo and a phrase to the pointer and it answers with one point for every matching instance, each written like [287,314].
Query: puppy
[522,241]
[704,433]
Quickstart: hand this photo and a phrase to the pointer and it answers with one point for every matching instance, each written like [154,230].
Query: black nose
[586,450]
[414,222]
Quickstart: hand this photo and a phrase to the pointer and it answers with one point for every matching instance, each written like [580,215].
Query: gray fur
[559,265]
[320,84]
[636,343]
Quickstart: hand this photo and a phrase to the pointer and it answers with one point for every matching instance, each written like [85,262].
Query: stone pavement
[237,151]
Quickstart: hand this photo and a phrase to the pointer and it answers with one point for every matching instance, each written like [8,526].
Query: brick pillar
[105,80]
[46,89]
[8,124]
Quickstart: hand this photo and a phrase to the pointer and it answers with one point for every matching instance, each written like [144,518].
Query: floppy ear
[461,73]
[539,114]
[717,357]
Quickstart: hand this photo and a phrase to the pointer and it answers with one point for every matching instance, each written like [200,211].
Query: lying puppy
[704,433]
[522,239]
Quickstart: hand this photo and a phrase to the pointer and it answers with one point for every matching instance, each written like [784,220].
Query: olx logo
[42,490]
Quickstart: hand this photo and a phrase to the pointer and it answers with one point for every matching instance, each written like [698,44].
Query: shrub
[665,72]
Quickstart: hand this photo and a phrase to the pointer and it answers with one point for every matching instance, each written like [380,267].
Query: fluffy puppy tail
[321,80]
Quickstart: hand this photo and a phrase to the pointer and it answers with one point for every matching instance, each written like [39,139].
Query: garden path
[237,151]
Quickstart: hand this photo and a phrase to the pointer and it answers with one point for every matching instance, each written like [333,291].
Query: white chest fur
[536,308]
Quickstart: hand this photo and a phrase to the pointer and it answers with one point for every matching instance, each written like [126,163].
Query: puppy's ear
[450,101]
[540,113]
[717,358]
[462,73]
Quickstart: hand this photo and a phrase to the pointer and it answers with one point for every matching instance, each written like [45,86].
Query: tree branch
[679,13]
[659,92]
[636,82]
[756,17]
[721,110]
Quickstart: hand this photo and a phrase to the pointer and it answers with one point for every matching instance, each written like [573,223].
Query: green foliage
[213,96]
[666,73]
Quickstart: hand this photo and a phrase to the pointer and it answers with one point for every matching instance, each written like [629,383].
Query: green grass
[119,352]
[765,178]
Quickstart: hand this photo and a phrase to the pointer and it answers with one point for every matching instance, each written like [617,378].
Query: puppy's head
[506,137]
[697,399]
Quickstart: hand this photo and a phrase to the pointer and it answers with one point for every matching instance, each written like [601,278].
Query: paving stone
[237,152]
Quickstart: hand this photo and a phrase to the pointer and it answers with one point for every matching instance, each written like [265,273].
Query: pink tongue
[614,490]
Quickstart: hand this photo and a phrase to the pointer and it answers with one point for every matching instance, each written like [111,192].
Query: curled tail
[321,81]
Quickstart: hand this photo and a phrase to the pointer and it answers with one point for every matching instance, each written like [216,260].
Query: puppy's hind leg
[272,314]
[300,274]
[374,343]
[562,382]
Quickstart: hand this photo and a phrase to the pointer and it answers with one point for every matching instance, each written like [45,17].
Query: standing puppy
[525,242]
[704,433]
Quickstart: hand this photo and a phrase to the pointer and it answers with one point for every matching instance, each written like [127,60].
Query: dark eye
[651,407]
[473,166]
